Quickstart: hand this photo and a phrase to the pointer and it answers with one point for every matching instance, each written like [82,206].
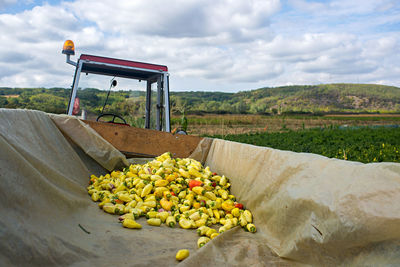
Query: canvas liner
[308,209]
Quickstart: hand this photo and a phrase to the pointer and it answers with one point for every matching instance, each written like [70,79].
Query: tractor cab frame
[151,73]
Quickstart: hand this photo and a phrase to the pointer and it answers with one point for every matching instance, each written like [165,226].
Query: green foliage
[297,99]
[366,144]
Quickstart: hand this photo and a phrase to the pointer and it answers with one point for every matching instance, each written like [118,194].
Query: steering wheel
[113,119]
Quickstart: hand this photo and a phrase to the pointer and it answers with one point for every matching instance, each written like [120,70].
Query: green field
[363,144]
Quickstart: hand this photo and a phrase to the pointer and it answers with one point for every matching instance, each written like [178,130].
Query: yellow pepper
[184,223]
[106,200]
[95,196]
[210,195]
[132,204]
[158,192]
[251,228]
[210,232]
[146,190]
[160,183]
[170,221]
[138,199]
[196,205]
[214,235]
[198,190]
[202,230]
[151,204]
[130,223]
[122,187]
[195,216]
[182,194]
[150,198]
[136,213]
[151,214]
[124,198]
[223,180]
[200,223]
[127,209]
[154,221]
[235,221]
[184,208]
[119,209]
[235,212]
[247,215]
[242,220]
[109,208]
[228,224]
[223,194]
[166,204]
[216,214]
[228,205]
[91,191]
[182,254]
[202,241]
[184,173]
[204,216]
[222,229]
[162,216]
[210,212]
[155,177]
[136,181]
[194,172]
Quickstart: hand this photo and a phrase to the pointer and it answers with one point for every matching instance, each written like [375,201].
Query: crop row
[362,144]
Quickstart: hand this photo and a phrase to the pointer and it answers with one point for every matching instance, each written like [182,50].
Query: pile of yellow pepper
[171,190]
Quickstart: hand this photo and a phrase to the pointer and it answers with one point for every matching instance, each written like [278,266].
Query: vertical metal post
[74,88]
[148,105]
[159,104]
[167,126]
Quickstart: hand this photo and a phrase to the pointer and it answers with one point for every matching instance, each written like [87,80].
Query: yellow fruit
[235,212]
[184,223]
[251,228]
[202,241]
[182,254]
[129,223]
[160,183]
[163,183]
[154,222]
[248,216]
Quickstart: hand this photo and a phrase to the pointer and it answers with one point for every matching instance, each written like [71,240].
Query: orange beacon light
[68,48]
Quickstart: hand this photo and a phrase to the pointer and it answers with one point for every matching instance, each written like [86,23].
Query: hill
[324,98]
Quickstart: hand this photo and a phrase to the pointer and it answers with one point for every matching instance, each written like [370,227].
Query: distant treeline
[297,99]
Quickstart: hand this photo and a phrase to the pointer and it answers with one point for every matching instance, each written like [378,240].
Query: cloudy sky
[210,45]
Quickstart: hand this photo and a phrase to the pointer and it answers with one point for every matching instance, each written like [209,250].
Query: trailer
[308,209]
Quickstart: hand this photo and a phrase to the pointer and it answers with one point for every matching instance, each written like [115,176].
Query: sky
[208,45]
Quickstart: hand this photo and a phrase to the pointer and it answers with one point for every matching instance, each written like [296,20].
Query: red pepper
[214,184]
[172,193]
[214,173]
[194,183]
[239,206]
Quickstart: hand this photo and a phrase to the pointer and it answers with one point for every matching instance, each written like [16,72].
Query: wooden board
[137,142]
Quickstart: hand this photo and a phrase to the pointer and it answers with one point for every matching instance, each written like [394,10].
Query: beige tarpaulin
[308,209]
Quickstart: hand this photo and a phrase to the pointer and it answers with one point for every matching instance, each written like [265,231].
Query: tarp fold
[308,209]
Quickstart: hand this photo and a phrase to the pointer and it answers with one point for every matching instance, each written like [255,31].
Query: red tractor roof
[119,67]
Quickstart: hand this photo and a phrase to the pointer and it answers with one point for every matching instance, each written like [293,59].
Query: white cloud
[5,3]
[179,18]
[210,45]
